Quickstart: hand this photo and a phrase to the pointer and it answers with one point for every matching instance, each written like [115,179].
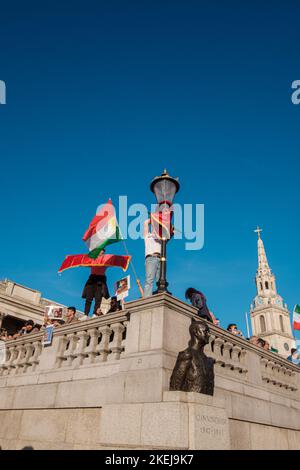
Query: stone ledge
[194,397]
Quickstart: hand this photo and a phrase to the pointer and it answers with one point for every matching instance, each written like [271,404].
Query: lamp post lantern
[164,187]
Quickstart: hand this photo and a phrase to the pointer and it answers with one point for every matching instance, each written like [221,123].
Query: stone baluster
[125,323]
[209,347]
[4,355]
[226,354]
[18,362]
[264,364]
[10,355]
[61,359]
[270,372]
[103,347]
[278,375]
[243,360]
[82,337]
[29,349]
[116,345]
[218,351]
[293,378]
[71,352]
[91,349]
[235,357]
[34,358]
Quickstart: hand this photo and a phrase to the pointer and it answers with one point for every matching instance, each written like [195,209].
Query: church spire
[269,315]
[265,279]
[263,265]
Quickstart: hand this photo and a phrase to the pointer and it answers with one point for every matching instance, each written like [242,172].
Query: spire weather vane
[258,230]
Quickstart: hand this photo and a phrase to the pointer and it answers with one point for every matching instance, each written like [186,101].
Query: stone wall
[103,383]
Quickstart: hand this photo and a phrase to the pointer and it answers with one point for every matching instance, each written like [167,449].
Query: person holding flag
[162,229]
[103,230]
[95,288]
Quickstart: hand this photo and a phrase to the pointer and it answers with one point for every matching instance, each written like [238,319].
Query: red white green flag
[296,317]
[103,230]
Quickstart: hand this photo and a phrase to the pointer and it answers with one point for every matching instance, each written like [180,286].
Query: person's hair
[29,323]
[190,291]
[261,342]
[293,350]
[72,308]
[230,325]
[114,297]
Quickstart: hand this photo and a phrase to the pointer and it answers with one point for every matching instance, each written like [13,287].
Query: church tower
[270,318]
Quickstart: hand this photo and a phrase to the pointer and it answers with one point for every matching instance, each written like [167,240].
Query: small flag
[296,317]
[103,230]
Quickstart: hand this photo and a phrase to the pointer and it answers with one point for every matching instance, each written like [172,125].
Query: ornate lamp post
[164,187]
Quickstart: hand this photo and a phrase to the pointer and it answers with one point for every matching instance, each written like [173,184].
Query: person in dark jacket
[95,288]
[198,300]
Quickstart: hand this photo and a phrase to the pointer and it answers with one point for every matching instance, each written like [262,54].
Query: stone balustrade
[21,355]
[79,344]
[92,341]
[231,354]
[117,368]
[103,340]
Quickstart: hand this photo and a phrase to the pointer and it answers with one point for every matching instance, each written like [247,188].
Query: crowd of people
[71,316]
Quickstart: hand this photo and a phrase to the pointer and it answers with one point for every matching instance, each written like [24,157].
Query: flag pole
[134,271]
[247,323]
[133,268]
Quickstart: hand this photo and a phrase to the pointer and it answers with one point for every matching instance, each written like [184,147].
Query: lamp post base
[162,287]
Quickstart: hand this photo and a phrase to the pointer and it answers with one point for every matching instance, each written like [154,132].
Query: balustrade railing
[277,375]
[102,340]
[21,355]
[96,341]
[230,353]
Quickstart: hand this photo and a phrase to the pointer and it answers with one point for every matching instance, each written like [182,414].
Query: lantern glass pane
[165,190]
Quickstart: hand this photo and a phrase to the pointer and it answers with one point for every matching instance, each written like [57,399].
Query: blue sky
[102,96]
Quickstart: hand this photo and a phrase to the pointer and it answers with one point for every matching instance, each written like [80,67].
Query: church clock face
[278,302]
[259,300]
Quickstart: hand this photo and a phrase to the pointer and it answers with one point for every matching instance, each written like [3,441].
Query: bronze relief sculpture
[194,371]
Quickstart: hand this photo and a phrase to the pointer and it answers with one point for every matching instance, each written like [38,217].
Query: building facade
[19,304]
[270,318]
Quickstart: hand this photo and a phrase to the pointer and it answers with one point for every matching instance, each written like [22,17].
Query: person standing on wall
[152,260]
[95,288]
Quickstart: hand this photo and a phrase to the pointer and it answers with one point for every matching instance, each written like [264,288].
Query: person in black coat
[95,288]
[198,300]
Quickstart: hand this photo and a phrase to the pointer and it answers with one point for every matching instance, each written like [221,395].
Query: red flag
[161,223]
[74,261]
